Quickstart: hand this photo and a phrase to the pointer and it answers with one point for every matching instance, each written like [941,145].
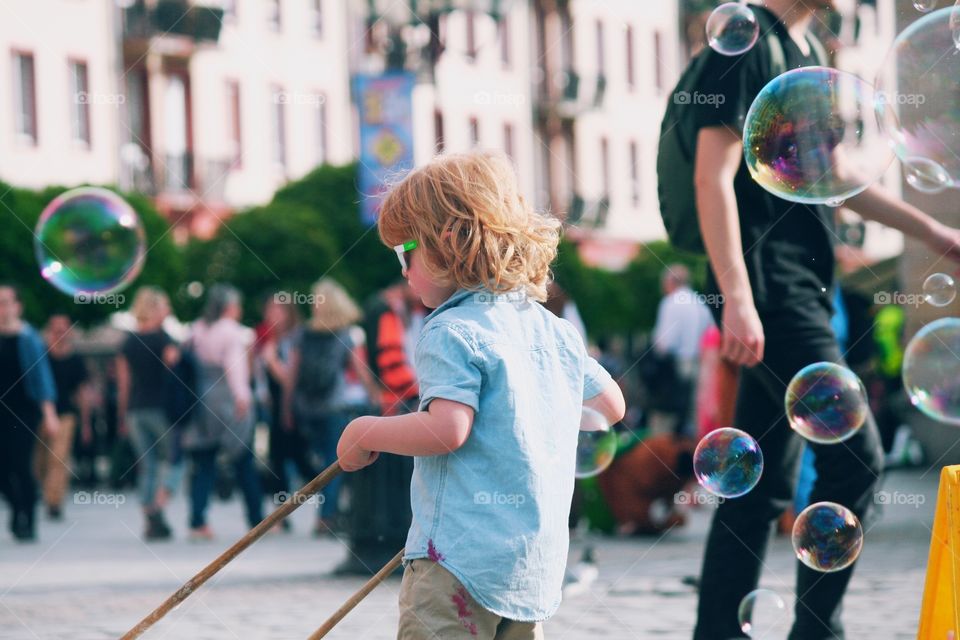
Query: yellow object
[938,616]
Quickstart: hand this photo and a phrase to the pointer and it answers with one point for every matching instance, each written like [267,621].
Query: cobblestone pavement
[91,576]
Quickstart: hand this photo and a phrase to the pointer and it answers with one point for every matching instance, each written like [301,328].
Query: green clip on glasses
[402,249]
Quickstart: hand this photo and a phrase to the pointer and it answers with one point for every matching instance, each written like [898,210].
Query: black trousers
[17,481]
[847,473]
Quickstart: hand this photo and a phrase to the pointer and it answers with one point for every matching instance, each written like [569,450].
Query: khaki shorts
[433,604]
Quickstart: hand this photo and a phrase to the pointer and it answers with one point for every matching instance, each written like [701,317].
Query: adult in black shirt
[27,397]
[52,460]
[143,365]
[772,261]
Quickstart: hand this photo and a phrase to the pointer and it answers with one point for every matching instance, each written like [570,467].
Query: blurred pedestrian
[276,336]
[143,365]
[52,460]
[223,423]
[27,406]
[682,319]
[321,358]
[389,324]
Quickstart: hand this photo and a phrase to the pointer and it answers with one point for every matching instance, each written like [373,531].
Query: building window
[504,29]
[25,97]
[279,128]
[471,35]
[438,130]
[80,91]
[631,77]
[601,57]
[508,139]
[316,19]
[634,174]
[233,120]
[474,132]
[605,166]
[321,157]
[275,15]
[658,61]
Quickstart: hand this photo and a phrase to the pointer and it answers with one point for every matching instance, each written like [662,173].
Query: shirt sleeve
[726,88]
[595,378]
[447,367]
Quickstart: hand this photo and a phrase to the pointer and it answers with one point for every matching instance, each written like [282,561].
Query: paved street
[92,577]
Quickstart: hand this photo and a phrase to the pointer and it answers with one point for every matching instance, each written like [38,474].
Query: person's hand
[269,352]
[241,407]
[742,339]
[171,356]
[945,241]
[350,454]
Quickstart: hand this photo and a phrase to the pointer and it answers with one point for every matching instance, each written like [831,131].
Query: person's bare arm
[718,157]
[442,429]
[880,205]
[123,392]
[609,403]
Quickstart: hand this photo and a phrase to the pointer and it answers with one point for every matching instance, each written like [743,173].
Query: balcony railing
[588,213]
[177,17]
[570,95]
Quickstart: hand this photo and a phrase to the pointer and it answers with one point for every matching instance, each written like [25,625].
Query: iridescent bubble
[89,240]
[732,29]
[925,5]
[917,102]
[596,444]
[931,370]
[955,24]
[762,614]
[827,537]
[835,202]
[925,175]
[939,290]
[810,136]
[826,403]
[728,463]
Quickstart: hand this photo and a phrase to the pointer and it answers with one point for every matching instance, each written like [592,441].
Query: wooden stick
[240,545]
[357,597]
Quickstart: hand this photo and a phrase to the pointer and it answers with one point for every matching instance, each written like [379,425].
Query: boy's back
[494,512]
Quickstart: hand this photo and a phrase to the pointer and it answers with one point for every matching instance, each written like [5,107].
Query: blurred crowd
[259,410]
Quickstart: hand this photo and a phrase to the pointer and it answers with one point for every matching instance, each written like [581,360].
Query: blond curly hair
[475,229]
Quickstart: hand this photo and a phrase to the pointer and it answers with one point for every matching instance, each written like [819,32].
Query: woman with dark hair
[223,423]
[276,339]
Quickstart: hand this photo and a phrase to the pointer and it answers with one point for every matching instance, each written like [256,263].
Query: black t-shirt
[68,373]
[144,354]
[17,409]
[787,246]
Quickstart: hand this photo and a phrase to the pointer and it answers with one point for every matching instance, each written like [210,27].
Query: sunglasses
[402,250]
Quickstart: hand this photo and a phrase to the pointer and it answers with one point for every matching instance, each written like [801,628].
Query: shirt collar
[454,300]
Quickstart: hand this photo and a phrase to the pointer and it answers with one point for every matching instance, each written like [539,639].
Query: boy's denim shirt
[494,512]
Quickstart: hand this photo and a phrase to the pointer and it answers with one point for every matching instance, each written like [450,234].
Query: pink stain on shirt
[432,552]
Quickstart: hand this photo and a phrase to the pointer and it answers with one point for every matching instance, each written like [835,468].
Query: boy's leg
[434,605]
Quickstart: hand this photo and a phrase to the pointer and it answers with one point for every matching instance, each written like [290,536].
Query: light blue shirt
[494,512]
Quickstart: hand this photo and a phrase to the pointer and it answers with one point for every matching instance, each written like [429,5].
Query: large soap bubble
[931,370]
[811,136]
[89,241]
[918,103]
